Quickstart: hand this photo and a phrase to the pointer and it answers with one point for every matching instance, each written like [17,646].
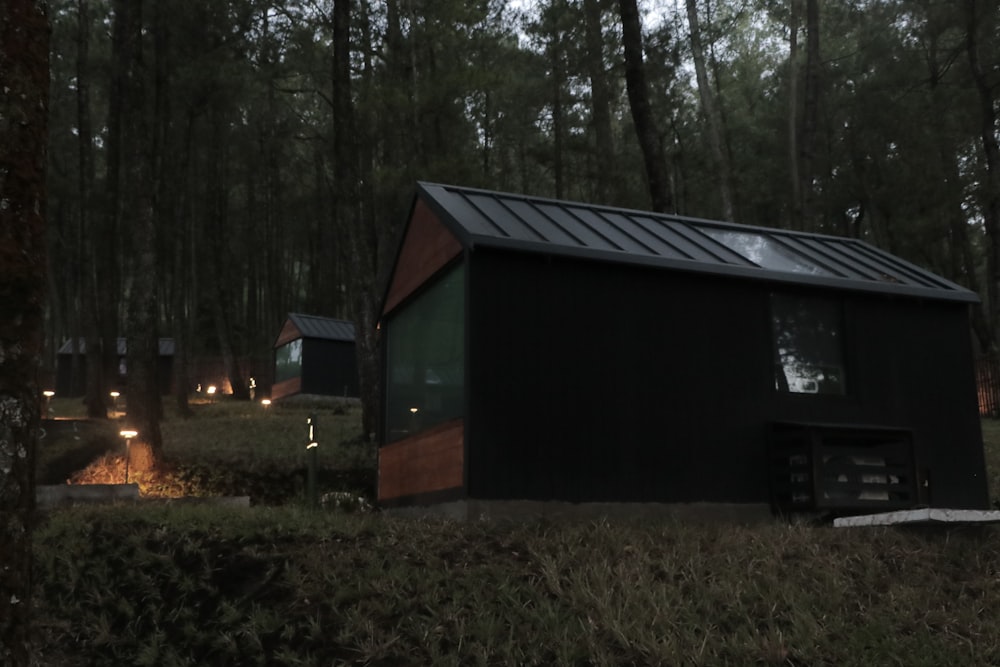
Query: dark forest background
[214,166]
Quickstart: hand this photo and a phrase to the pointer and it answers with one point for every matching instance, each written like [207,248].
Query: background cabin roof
[325,328]
[482,218]
[166,347]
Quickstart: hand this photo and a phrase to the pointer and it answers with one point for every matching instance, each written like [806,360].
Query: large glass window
[808,345]
[288,361]
[426,358]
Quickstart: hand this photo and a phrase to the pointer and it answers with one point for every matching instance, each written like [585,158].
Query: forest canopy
[280,140]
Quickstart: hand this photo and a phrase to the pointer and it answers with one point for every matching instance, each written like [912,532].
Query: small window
[808,345]
[288,361]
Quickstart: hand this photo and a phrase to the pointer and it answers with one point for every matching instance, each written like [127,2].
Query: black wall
[596,382]
[329,368]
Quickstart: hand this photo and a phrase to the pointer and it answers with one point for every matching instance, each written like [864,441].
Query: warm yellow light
[48,393]
[265,402]
[211,389]
[414,410]
[128,433]
[114,394]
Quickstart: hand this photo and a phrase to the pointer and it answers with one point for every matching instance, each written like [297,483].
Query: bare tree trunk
[642,114]
[105,247]
[143,398]
[606,175]
[984,23]
[94,393]
[795,182]
[362,240]
[709,106]
[810,117]
[24,80]
[556,80]
[962,259]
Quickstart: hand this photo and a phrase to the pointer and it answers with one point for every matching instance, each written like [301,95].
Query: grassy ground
[227,448]
[287,585]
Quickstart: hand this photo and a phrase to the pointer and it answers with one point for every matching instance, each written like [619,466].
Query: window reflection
[426,358]
[766,252]
[288,361]
[808,345]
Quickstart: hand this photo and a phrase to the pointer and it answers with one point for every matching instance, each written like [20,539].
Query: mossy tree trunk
[24,80]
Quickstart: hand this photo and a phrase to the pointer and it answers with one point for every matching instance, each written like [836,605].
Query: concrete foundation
[71,494]
[927,516]
[466,510]
[55,495]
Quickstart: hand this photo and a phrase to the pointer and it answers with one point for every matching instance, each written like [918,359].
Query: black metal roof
[535,224]
[325,328]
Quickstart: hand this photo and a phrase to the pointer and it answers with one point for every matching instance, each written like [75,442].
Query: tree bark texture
[642,113]
[795,194]
[143,387]
[24,82]
[981,19]
[810,118]
[362,241]
[606,177]
[713,116]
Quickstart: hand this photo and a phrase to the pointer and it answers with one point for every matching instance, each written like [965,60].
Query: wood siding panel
[430,461]
[286,388]
[427,247]
[288,333]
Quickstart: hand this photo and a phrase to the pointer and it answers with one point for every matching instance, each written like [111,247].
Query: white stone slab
[927,515]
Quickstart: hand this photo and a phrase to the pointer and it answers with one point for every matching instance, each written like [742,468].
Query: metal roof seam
[572,213]
[489,219]
[657,231]
[915,273]
[835,255]
[554,222]
[782,240]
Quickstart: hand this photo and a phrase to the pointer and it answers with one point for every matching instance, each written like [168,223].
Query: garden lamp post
[128,434]
[48,394]
[114,403]
[311,447]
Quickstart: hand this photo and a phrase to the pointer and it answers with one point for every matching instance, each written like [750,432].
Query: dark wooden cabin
[315,355]
[71,375]
[547,350]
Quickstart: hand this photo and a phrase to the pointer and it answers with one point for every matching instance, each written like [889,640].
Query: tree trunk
[962,258]
[556,81]
[143,387]
[794,181]
[347,198]
[606,176]
[104,246]
[642,113]
[95,396]
[24,80]
[978,23]
[810,118]
[713,116]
